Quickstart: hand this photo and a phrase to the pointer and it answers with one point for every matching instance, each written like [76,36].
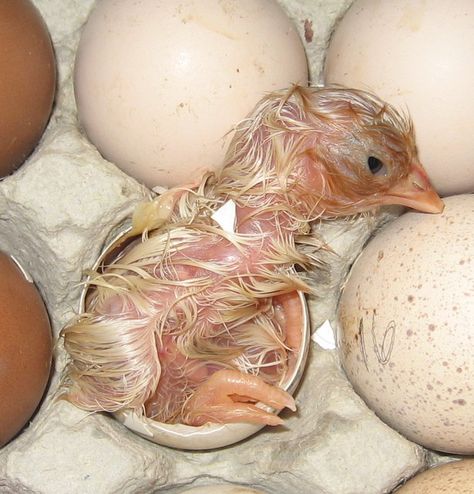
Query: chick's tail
[114,363]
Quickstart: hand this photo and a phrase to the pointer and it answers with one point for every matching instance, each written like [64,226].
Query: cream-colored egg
[416,55]
[159,84]
[406,326]
[456,477]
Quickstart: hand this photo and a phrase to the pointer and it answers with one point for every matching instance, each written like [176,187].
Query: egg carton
[58,211]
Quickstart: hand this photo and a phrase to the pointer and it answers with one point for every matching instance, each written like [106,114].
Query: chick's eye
[376,166]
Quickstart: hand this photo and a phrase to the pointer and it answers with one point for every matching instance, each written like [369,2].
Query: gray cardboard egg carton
[56,213]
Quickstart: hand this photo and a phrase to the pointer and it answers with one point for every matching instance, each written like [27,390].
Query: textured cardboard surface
[56,212]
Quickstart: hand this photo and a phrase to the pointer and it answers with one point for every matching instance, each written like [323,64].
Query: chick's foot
[231,396]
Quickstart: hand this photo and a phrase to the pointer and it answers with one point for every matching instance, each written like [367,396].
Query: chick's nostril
[419,186]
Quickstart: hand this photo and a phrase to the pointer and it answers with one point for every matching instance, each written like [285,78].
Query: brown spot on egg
[308,30]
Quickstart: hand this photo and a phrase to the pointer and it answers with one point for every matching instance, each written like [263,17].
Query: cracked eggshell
[160,84]
[405,326]
[456,477]
[416,55]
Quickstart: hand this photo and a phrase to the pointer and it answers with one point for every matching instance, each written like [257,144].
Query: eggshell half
[210,435]
[418,56]
[406,326]
[159,84]
[456,477]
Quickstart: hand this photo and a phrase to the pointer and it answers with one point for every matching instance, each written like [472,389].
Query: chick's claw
[230,396]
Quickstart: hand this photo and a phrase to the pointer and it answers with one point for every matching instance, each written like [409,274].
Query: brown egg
[25,348]
[27,81]
[456,477]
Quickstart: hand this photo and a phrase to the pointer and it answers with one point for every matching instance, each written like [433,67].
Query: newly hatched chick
[194,324]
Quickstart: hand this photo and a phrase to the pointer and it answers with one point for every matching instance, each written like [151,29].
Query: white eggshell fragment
[406,326]
[456,477]
[160,84]
[416,55]
[186,437]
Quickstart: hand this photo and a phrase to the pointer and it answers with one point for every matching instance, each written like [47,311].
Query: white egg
[405,316]
[416,55]
[160,84]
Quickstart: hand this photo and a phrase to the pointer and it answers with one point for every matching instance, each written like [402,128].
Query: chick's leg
[230,396]
[289,314]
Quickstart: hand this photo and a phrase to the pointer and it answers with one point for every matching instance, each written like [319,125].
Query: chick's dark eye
[376,166]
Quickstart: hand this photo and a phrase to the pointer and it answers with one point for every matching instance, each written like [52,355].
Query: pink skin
[230,396]
[219,392]
[181,372]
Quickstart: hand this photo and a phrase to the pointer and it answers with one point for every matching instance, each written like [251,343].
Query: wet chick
[195,324]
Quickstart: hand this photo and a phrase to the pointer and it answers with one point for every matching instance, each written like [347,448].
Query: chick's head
[366,152]
[329,151]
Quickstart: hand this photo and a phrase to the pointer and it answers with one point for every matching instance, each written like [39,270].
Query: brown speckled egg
[27,81]
[406,335]
[456,477]
[25,349]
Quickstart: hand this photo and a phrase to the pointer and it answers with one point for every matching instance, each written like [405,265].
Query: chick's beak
[415,192]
